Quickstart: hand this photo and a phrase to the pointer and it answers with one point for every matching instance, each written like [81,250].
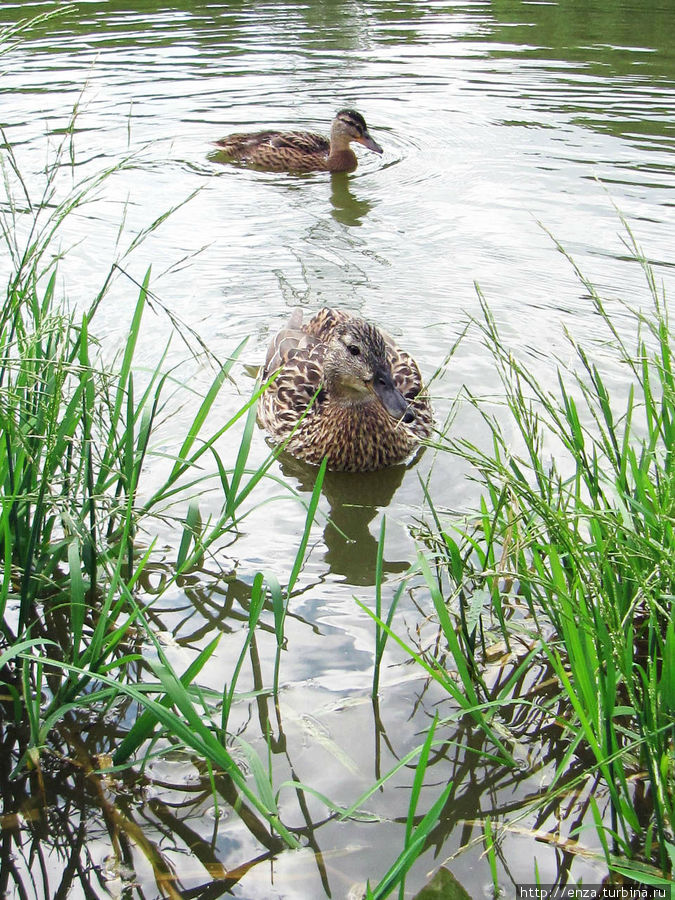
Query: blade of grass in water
[255,608]
[415,837]
[280,609]
[380,633]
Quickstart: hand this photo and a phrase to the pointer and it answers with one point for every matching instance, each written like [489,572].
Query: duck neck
[341,157]
[341,160]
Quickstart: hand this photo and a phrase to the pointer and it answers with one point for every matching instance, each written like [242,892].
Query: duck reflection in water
[347,210]
[354,499]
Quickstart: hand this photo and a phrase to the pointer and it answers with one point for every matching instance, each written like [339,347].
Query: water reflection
[606,39]
[347,210]
[354,499]
[601,64]
[105,829]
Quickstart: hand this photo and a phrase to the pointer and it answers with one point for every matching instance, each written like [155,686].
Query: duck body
[302,151]
[344,391]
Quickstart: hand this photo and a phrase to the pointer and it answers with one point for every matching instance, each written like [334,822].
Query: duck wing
[287,343]
[297,357]
[301,141]
[323,324]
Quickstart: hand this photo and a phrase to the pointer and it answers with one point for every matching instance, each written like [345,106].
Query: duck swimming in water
[343,391]
[302,151]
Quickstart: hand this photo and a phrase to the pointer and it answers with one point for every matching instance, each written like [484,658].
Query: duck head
[356,370]
[349,125]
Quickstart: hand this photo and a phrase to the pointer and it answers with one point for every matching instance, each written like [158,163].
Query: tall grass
[76,522]
[576,527]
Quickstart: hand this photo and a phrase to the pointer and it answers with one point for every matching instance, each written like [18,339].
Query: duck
[342,390]
[302,151]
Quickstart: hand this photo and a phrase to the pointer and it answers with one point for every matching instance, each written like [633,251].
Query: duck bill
[391,398]
[368,142]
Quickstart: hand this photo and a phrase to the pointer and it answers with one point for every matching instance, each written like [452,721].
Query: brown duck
[343,390]
[302,151]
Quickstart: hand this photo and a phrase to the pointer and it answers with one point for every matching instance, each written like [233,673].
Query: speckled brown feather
[276,151]
[359,437]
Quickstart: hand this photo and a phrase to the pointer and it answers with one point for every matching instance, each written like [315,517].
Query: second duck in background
[302,151]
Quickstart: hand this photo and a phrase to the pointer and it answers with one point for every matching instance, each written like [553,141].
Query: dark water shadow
[354,499]
[347,209]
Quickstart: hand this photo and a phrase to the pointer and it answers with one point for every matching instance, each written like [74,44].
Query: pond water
[506,126]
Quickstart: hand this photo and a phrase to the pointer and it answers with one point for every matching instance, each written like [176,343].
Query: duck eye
[354,350]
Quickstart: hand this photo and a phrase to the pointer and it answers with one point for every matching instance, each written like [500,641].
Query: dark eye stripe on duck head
[357,123]
[366,342]
[354,118]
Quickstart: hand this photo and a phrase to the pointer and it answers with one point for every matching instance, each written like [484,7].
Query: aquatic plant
[569,560]
[77,623]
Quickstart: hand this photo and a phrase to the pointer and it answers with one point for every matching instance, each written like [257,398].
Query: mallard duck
[301,151]
[343,391]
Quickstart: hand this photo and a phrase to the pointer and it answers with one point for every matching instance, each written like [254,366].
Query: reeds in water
[571,559]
